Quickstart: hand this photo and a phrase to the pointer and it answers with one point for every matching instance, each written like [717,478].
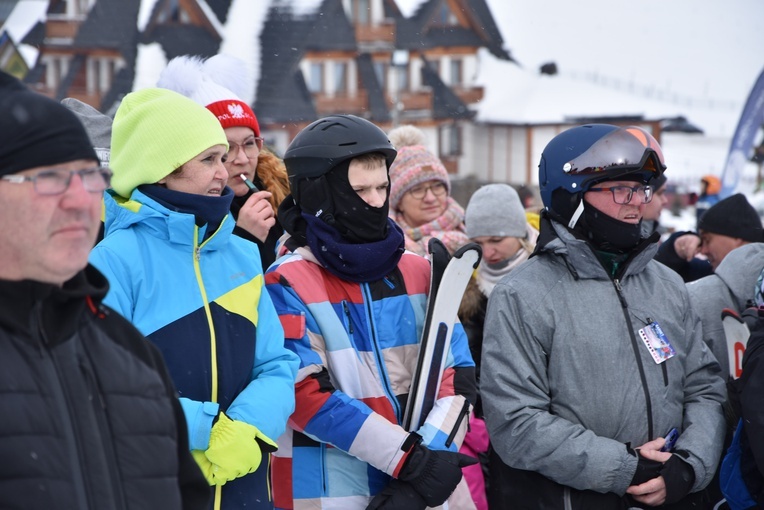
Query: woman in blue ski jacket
[195,290]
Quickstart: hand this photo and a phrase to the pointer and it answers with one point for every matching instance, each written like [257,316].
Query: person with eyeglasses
[255,174]
[592,351]
[419,194]
[195,290]
[90,418]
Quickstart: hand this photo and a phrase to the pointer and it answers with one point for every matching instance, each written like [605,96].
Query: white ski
[442,307]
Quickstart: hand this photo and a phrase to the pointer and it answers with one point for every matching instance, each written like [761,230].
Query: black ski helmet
[329,141]
[583,156]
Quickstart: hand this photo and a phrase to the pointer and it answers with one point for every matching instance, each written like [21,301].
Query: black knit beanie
[657,182]
[733,217]
[37,131]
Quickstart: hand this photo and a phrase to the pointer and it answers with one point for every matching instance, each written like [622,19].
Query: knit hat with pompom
[414,164]
[217,83]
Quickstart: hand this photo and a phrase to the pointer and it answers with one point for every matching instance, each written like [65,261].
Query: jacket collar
[580,256]
[146,213]
[29,307]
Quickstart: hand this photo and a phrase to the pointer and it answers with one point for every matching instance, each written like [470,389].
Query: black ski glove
[434,474]
[753,317]
[646,469]
[397,495]
[679,477]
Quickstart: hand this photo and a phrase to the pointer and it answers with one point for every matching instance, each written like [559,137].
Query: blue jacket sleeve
[268,400]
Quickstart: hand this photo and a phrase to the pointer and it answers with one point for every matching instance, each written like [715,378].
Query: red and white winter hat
[211,83]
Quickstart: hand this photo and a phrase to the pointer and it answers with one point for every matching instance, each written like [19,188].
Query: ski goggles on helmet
[620,152]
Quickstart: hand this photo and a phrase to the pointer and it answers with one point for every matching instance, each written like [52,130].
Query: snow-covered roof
[149,63]
[697,57]
[518,96]
[409,7]
[144,13]
[241,35]
[304,7]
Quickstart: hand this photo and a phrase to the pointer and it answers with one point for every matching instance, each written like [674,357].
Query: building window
[172,12]
[81,7]
[380,70]
[361,12]
[316,77]
[402,78]
[341,78]
[456,72]
[100,74]
[56,67]
[444,16]
[434,65]
[451,136]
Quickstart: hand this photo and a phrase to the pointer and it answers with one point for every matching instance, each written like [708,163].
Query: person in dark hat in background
[654,208]
[90,415]
[731,223]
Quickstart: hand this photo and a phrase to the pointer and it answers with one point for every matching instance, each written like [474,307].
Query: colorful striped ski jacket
[358,347]
[203,304]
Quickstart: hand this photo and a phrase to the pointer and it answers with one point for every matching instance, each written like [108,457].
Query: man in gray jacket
[731,286]
[592,352]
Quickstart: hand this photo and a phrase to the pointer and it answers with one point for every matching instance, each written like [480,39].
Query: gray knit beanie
[96,124]
[495,210]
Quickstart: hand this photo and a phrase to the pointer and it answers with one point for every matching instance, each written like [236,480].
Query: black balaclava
[331,198]
[356,220]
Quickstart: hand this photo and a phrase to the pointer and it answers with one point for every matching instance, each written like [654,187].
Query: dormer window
[361,12]
[316,77]
[444,16]
[173,12]
[70,9]
[456,73]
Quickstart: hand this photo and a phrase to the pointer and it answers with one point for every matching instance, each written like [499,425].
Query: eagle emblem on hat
[236,110]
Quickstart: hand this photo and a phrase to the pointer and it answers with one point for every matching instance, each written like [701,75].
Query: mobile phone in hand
[671,437]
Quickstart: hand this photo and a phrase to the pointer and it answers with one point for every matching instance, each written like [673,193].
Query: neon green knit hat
[155,132]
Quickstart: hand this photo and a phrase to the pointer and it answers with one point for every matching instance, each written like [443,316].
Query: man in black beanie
[727,225]
[90,418]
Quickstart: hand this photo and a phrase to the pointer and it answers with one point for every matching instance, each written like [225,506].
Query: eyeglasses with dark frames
[56,181]
[438,189]
[251,148]
[623,194]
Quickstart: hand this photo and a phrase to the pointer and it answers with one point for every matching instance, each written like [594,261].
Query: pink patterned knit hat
[414,164]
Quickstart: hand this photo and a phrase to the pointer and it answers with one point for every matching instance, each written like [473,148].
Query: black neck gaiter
[606,233]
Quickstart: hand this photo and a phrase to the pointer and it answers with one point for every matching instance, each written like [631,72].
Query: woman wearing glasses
[195,290]
[256,175]
[419,194]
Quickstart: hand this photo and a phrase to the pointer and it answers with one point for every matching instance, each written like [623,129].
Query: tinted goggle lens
[624,148]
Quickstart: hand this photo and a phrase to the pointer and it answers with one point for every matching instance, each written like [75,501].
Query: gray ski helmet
[329,141]
[583,156]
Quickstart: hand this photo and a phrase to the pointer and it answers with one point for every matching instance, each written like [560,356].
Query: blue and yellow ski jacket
[204,305]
